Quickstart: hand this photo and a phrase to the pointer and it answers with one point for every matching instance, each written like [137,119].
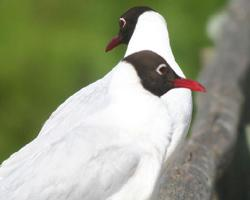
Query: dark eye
[122,22]
[162,69]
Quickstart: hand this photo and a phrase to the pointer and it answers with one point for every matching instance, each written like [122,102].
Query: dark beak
[189,84]
[113,43]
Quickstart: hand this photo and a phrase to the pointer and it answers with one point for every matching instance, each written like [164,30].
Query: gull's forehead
[135,12]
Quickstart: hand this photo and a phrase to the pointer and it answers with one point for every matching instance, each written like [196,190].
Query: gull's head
[127,24]
[156,75]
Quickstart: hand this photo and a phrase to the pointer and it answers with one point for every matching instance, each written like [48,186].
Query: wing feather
[89,165]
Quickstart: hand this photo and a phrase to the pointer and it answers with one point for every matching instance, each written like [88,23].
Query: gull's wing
[89,165]
[68,115]
[77,107]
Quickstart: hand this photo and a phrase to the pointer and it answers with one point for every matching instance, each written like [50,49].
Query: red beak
[190,84]
[113,43]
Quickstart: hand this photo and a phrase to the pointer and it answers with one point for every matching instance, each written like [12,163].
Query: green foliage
[49,49]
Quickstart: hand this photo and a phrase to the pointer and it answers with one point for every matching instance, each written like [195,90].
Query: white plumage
[107,141]
[102,155]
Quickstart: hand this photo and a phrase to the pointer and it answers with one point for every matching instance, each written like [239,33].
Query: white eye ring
[124,22]
[158,69]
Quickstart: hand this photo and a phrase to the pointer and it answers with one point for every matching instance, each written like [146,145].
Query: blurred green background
[50,49]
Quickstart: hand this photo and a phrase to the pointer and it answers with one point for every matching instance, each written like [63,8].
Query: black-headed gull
[113,151]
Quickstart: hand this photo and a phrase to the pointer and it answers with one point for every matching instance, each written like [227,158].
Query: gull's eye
[122,22]
[162,69]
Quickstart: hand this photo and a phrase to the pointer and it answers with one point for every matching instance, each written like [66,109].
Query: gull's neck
[151,34]
[125,82]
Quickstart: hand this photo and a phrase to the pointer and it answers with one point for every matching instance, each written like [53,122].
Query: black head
[156,75]
[127,23]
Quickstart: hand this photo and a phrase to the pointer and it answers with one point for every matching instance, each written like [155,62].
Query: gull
[114,151]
